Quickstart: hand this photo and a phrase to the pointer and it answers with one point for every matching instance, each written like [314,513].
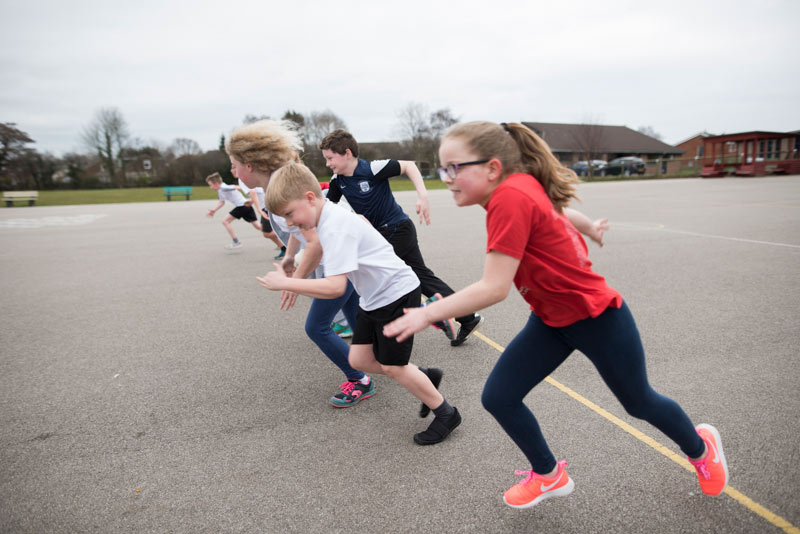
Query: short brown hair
[339,141]
[214,178]
[290,182]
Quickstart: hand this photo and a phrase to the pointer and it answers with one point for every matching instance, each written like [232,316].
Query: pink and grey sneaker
[448,326]
[712,470]
[535,488]
[352,393]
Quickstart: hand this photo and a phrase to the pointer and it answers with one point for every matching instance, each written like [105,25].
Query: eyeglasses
[452,170]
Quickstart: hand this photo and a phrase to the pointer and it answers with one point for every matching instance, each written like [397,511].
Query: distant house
[693,152]
[752,153]
[576,142]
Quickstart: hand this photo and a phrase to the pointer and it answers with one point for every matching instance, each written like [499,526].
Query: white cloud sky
[195,69]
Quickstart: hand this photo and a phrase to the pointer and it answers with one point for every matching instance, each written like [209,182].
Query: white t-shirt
[351,246]
[231,194]
[259,194]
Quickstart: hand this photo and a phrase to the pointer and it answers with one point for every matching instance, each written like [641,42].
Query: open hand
[412,321]
[273,280]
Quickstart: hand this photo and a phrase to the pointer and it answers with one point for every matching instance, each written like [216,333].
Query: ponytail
[519,149]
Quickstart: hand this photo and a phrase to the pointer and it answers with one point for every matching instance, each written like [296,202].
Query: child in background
[231,194]
[512,173]
[353,251]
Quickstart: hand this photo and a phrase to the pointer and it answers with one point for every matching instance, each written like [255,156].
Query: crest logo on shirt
[364,186]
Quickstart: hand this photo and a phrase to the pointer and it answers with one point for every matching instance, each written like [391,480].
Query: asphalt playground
[149,384]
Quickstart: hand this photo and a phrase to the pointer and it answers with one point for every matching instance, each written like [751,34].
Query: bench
[176,191]
[10,196]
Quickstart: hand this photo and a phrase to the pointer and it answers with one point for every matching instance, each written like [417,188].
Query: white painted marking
[662,228]
[75,220]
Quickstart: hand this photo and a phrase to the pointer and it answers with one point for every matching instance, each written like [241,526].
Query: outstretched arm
[493,287]
[594,230]
[409,168]
[329,287]
[216,208]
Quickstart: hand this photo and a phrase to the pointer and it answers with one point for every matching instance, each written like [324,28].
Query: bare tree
[182,146]
[318,124]
[650,132]
[422,131]
[588,137]
[107,135]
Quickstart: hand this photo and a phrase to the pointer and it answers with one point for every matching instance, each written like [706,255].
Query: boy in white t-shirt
[240,211]
[353,250]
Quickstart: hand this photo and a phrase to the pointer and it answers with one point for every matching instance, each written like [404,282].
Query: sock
[444,410]
[283,249]
[365,380]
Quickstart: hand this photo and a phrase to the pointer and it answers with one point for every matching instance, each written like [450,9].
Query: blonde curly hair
[267,144]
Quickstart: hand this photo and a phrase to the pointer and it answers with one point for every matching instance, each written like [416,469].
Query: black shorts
[244,212]
[369,330]
[266,227]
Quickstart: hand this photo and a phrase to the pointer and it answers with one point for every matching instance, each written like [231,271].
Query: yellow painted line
[735,494]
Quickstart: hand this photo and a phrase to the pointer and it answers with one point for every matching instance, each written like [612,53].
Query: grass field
[155,194]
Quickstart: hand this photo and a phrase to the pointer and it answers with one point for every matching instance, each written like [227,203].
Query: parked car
[581,168]
[625,166]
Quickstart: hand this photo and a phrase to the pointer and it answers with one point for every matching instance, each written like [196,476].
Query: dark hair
[519,149]
[339,141]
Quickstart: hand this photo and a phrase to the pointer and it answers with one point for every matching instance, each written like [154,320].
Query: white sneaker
[234,246]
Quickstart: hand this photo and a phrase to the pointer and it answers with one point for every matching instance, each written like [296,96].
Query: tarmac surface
[149,384]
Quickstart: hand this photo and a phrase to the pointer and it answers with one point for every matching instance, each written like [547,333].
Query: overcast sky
[195,69]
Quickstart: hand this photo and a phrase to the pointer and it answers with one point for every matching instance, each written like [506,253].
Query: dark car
[581,168]
[625,166]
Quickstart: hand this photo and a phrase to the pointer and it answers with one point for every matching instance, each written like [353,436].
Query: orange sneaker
[536,488]
[712,471]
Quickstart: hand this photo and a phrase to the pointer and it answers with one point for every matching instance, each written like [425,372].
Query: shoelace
[519,472]
[347,387]
[701,467]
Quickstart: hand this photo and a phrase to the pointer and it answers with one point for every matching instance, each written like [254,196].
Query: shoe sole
[720,453]
[362,397]
[563,491]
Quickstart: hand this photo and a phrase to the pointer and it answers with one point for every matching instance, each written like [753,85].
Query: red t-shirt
[554,274]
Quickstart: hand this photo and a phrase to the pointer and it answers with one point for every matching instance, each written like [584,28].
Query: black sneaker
[436,377]
[465,330]
[439,429]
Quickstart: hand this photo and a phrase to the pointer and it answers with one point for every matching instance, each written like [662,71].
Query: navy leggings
[611,341]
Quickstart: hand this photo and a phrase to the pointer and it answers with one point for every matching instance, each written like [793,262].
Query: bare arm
[329,287]
[409,168]
[216,208]
[493,287]
[592,229]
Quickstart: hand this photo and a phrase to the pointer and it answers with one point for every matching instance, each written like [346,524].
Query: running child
[231,193]
[365,185]
[256,150]
[531,244]
[353,251]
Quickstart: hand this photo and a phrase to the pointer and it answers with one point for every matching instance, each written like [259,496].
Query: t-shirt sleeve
[385,169]
[339,253]
[509,223]
[334,191]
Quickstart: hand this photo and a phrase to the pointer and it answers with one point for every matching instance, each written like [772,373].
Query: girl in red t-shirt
[532,244]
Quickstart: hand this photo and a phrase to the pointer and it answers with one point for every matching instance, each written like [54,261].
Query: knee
[493,399]
[315,331]
[355,362]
